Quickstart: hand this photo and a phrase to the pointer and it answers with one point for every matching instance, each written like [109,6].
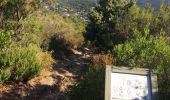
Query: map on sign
[129,87]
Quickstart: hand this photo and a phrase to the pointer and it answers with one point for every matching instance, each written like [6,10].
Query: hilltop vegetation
[33,33]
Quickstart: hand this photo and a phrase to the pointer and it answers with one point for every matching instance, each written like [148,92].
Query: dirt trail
[53,83]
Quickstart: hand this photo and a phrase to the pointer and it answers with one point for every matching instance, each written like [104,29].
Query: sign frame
[133,71]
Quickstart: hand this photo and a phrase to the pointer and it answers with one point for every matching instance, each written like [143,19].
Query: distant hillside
[79,4]
[155,3]
[78,8]
[82,7]
[87,4]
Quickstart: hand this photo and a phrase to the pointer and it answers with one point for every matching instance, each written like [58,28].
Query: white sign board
[129,87]
[123,83]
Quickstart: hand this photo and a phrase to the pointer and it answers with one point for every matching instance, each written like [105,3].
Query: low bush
[19,64]
[91,85]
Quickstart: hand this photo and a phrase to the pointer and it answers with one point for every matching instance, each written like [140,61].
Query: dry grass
[106,59]
[46,59]
[74,40]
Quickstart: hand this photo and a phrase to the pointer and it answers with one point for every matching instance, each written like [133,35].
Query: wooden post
[154,86]
[108,82]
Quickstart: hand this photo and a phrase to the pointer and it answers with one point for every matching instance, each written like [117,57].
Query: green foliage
[91,86]
[31,32]
[138,18]
[152,52]
[103,19]
[162,21]
[12,11]
[17,9]
[19,63]
[33,25]
[5,75]
[78,23]
[142,52]
[44,29]
[5,39]
[111,23]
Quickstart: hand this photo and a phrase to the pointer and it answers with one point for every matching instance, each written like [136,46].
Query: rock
[76,52]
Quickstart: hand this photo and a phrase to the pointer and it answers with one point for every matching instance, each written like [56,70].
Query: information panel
[129,87]
[124,83]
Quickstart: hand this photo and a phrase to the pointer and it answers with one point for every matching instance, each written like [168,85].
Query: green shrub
[145,52]
[5,39]
[33,25]
[31,31]
[5,75]
[91,86]
[21,62]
